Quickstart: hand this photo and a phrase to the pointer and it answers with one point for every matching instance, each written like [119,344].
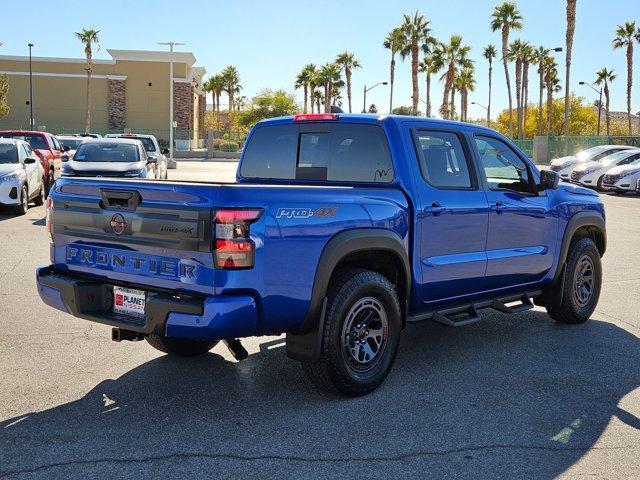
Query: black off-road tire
[333,373]
[567,307]
[180,346]
[23,197]
[42,196]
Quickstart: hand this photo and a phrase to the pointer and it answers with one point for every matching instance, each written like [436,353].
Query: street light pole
[599,92]
[364,102]
[171,45]
[31,122]
[486,108]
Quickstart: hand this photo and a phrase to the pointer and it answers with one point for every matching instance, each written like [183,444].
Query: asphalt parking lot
[510,397]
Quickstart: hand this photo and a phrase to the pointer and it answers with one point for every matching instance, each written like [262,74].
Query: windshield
[8,153]
[36,141]
[616,157]
[72,143]
[106,152]
[147,143]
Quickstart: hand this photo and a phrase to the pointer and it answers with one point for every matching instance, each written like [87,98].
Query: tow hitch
[236,348]
[120,334]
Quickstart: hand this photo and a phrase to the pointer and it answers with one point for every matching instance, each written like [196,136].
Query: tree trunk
[87,121]
[539,123]
[306,97]
[519,97]
[489,104]
[428,93]
[327,97]
[549,105]
[629,81]
[452,108]
[571,25]
[444,108]
[217,106]
[392,73]
[606,98]
[505,62]
[347,73]
[525,96]
[414,77]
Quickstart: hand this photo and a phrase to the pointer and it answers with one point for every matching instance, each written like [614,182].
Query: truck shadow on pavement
[511,397]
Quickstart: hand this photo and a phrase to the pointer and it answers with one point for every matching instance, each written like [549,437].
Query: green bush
[225,145]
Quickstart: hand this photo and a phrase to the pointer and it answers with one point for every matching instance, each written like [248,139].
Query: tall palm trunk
[519,96]
[505,63]
[541,72]
[87,118]
[347,73]
[629,81]
[606,99]
[392,74]
[414,77]
[571,25]
[525,96]
[306,97]
[549,104]
[327,97]
[217,104]
[312,94]
[489,103]
[318,105]
[453,103]
[428,93]
[448,84]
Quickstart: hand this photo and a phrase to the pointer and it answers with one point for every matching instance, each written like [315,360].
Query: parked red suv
[46,147]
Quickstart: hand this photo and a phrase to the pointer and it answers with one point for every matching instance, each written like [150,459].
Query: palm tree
[303,80]
[231,81]
[428,67]
[348,62]
[394,42]
[88,36]
[605,77]
[329,75]
[529,57]
[215,84]
[451,57]
[516,52]
[506,17]
[465,83]
[552,84]
[319,99]
[416,33]
[571,26]
[489,53]
[626,35]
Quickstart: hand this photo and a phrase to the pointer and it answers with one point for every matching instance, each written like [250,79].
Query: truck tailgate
[131,230]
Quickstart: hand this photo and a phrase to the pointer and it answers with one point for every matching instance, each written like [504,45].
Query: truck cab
[339,230]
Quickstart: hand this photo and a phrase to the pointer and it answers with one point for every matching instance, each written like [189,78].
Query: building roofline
[116,54]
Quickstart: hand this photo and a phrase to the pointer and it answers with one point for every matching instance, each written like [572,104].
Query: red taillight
[233,249]
[48,205]
[315,117]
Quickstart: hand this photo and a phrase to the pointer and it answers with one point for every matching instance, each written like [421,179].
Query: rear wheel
[49,183]
[361,334]
[599,184]
[23,206]
[582,282]
[180,346]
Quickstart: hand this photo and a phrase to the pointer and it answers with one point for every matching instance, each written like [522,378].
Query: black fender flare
[304,343]
[579,220]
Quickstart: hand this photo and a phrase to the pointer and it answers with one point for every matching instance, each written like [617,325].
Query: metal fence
[526,146]
[562,146]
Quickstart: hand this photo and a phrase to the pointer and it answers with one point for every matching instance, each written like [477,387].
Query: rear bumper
[175,315]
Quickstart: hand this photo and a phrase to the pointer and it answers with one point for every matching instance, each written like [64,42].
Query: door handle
[435,209]
[499,206]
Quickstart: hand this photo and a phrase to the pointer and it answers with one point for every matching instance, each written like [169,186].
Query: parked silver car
[152,148]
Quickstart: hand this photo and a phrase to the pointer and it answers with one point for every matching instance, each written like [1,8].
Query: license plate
[127,301]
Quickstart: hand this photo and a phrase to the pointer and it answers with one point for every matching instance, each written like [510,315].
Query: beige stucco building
[128,92]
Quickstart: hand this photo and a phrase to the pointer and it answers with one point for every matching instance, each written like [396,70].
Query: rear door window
[321,152]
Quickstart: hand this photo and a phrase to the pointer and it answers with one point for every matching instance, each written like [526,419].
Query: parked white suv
[565,165]
[591,174]
[623,178]
[21,175]
[153,149]
[110,157]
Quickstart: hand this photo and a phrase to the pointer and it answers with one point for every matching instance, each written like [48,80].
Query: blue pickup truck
[339,230]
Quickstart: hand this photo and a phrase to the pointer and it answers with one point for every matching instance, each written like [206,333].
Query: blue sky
[270,40]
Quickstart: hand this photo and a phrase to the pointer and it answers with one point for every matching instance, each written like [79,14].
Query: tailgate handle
[119,199]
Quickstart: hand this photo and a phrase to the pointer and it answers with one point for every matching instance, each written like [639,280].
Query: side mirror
[64,158]
[65,148]
[29,161]
[151,160]
[549,180]
[164,151]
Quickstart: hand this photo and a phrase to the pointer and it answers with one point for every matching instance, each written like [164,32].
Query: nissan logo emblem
[118,224]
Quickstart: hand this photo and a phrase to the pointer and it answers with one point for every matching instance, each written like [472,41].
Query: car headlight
[589,170]
[626,173]
[136,173]
[10,177]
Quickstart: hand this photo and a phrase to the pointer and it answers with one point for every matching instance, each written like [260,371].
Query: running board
[461,315]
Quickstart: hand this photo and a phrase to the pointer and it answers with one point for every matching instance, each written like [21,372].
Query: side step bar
[466,314]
